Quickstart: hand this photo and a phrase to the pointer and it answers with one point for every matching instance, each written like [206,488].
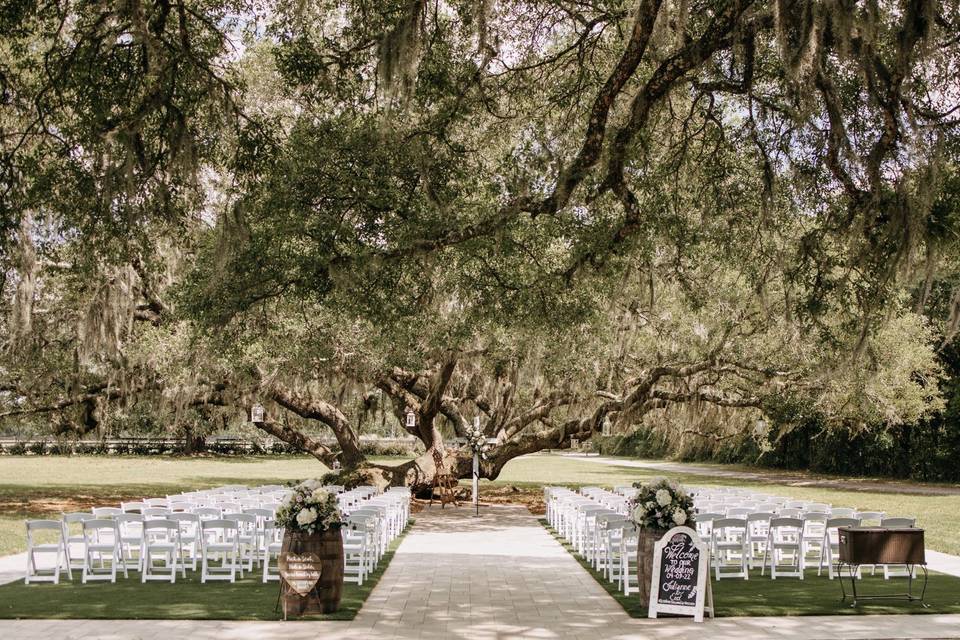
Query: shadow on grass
[188,599]
[812,596]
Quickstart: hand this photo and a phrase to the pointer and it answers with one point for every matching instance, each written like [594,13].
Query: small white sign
[680,583]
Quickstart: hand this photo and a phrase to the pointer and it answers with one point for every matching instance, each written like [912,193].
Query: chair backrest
[842,512]
[834,523]
[760,516]
[156,512]
[44,525]
[128,507]
[727,524]
[76,516]
[228,528]
[180,507]
[105,512]
[126,518]
[160,526]
[100,530]
[899,522]
[245,521]
[706,517]
[814,517]
[817,507]
[207,513]
[739,512]
[777,524]
[262,515]
[187,521]
[788,512]
[870,516]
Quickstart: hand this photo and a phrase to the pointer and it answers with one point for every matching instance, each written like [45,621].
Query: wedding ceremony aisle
[501,575]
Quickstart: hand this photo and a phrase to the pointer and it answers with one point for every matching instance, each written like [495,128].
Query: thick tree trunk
[306,407]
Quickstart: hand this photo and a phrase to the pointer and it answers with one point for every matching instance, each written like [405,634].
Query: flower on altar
[664,498]
[679,516]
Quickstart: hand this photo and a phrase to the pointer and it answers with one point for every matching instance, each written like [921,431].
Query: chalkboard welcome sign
[680,582]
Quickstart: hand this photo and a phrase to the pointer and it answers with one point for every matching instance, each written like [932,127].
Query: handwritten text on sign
[301,571]
[679,564]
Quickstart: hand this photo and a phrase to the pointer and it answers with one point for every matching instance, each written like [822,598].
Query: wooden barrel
[327,546]
[645,547]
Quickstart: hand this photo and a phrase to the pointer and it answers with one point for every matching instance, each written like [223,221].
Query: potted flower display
[659,505]
[311,556]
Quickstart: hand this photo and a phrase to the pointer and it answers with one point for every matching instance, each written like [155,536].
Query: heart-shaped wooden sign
[301,571]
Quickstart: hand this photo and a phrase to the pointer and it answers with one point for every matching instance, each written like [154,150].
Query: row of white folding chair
[372,524]
[251,524]
[361,545]
[737,543]
[349,500]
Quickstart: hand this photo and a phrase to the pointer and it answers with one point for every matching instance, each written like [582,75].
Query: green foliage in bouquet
[310,508]
[661,504]
[477,441]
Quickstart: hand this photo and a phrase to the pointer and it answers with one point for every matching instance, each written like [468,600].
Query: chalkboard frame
[704,587]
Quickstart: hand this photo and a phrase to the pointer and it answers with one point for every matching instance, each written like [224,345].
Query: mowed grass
[45,487]
[187,599]
[36,487]
[812,596]
[938,515]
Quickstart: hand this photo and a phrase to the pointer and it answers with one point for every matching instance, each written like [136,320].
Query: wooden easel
[444,484]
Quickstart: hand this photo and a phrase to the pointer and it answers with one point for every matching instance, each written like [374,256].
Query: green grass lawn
[43,487]
[812,596]
[938,515]
[187,599]
[33,487]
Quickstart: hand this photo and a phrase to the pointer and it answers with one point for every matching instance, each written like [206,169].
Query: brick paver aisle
[490,578]
[500,574]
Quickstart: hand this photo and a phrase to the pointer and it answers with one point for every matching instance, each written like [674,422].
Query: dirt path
[795,479]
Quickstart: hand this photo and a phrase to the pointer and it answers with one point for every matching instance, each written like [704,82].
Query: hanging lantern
[256,413]
[761,427]
[411,418]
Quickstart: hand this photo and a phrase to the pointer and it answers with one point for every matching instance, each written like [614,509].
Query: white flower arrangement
[310,509]
[661,504]
[477,441]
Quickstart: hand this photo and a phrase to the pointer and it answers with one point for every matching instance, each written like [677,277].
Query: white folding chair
[731,548]
[830,547]
[219,539]
[248,539]
[272,545]
[54,543]
[101,542]
[814,523]
[359,536]
[189,534]
[161,540]
[73,546]
[758,530]
[896,570]
[130,526]
[785,540]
